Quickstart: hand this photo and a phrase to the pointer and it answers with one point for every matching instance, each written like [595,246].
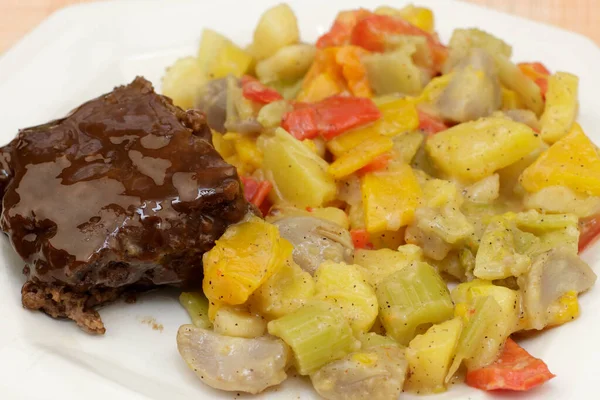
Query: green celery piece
[317,334]
[372,339]
[497,257]
[411,298]
[476,332]
[196,304]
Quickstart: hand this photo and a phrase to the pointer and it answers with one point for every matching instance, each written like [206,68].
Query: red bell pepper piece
[430,124]
[361,239]
[329,117]
[341,30]
[371,33]
[253,90]
[515,369]
[589,232]
[256,191]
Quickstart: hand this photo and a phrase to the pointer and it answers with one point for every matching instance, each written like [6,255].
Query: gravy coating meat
[124,194]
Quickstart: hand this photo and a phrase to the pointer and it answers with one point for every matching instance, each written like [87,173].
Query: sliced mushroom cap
[375,374]
[551,275]
[212,100]
[233,363]
[315,240]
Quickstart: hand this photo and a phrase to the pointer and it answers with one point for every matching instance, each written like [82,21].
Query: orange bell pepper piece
[538,73]
[342,27]
[353,70]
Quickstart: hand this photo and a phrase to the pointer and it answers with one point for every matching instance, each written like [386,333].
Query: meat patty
[124,194]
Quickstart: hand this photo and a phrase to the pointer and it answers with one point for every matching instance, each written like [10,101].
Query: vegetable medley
[387,165]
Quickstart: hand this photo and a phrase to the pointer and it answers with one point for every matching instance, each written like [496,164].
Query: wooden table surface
[17,17]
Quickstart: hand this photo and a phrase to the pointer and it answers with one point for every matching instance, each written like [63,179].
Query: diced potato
[289,63]
[224,147]
[475,150]
[376,265]
[243,259]
[344,286]
[219,56]
[561,199]
[276,28]
[393,72]
[463,40]
[573,162]
[514,79]
[247,151]
[387,239]
[317,333]
[298,175]
[412,298]
[231,321]
[360,156]
[390,198]
[183,81]
[429,356]
[484,191]
[332,214]
[284,292]
[509,176]
[561,106]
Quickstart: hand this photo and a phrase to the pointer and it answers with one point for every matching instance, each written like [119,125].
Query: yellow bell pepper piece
[573,162]
[397,116]
[511,100]
[359,157]
[390,198]
[247,151]
[243,259]
[474,150]
[567,309]
[433,90]
[224,147]
[319,88]
[561,106]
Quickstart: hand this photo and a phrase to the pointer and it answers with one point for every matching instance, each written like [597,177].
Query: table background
[17,17]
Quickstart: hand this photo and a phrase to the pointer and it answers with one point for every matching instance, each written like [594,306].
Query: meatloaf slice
[124,194]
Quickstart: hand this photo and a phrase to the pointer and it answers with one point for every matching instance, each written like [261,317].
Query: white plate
[83,51]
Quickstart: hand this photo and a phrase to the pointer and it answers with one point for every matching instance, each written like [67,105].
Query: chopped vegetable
[429,356]
[393,72]
[420,17]
[361,239]
[360,157]
[463,40]
[256,192]
[317,333]
[573,161]
[196,304]
[233,363]
[243,259]
[410,298]
[276,29]
[330,117]
[372,32]
[538,73]
[474,150]
[219,56]
[590,232]
[257,92]
[377,373]
[515,369]
[390,198]
[288,64]
[561,106]
[231,321]
[512,77]
[298,175]
[430,124]
[315,240]
[183,81]
[284,292]
[344,286]
[341,30]
[376,265]
[353,70]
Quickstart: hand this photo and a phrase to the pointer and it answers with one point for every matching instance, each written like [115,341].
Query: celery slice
[476,339]
[317,333]
[196,304]
[372,339]
[411,298]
